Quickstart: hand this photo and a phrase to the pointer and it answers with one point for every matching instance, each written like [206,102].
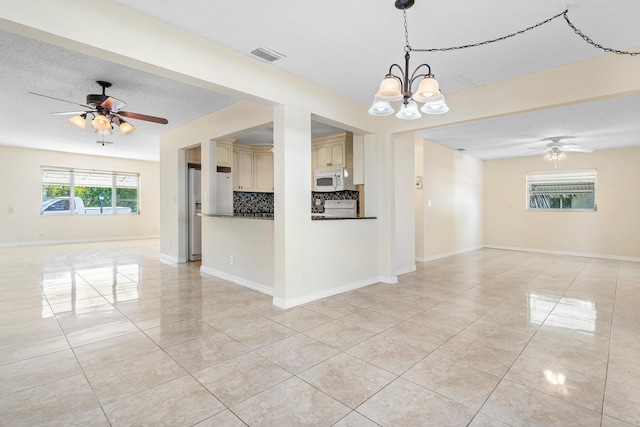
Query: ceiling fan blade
[113,104]
[143,117]
[69,113]
[58,99]
[577,150]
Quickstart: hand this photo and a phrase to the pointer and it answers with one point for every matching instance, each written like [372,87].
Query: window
[574,190]
[77,191]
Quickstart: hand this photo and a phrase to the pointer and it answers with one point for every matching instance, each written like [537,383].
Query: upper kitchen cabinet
[224,152]
[263,170]
[242,169]
[252,169]
[332,151]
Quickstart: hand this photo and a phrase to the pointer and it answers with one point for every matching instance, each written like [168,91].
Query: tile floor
[106,334]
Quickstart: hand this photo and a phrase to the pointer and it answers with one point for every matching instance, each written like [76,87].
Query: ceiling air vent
[267,55]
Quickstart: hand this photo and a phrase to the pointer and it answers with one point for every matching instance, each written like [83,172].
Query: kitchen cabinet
[224,151]
[332,151]
[263,171]
[242,169]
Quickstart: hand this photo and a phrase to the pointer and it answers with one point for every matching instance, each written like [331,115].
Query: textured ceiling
[346,47]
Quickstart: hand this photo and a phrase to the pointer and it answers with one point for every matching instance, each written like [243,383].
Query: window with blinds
[573,190]
[80,191]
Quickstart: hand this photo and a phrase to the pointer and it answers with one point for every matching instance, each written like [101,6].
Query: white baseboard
[391,280]
[293,302]
[568,253]
[170,259]
[70,241]
[237,280]
[448,254]
[405,270]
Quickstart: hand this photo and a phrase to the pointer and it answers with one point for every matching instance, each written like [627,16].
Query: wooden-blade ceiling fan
[105,112]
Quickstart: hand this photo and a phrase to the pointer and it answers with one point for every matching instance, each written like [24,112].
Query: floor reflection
[569,313]
[65,289]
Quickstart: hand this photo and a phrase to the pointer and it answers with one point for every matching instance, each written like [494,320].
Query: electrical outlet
[169,244]
[557,242]
[232,260]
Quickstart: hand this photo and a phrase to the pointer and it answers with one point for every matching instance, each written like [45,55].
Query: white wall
[405,214]
[451,197]
[612,231]
[249,242]
[21,197]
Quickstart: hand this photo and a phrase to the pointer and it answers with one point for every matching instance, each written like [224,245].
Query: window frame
[73,183]
[555,177]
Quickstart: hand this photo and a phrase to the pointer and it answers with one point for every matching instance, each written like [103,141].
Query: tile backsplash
[337,195]
[249,202]
[246,202]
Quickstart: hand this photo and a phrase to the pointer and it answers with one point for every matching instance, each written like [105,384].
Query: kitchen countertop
[269,216]
[322,217]
[255,215]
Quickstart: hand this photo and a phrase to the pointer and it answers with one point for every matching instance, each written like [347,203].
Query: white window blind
[572,190]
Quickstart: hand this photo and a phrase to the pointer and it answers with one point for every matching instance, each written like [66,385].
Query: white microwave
[340,179]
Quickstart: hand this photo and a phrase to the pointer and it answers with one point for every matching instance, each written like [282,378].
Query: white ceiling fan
[556,145]
[555,150]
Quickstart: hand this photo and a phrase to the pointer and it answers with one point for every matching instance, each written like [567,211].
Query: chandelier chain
[407,46]
[594,44]
[486,42]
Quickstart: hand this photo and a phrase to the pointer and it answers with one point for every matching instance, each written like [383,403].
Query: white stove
[340,208]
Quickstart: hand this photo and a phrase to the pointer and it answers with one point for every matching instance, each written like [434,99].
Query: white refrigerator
[223,205]
[195,221]
[224,193]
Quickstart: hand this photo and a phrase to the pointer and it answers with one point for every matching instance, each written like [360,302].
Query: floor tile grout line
[514,361]
[529,341]
[91,387]
[606,374]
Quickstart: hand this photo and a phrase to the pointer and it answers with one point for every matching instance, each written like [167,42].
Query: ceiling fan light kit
[79,121]
[105,112]
[101,122]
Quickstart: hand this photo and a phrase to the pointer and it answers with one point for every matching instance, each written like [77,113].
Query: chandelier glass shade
[381,107]
[399,86]
[395,88]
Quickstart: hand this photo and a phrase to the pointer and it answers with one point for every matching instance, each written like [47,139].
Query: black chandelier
[398,87]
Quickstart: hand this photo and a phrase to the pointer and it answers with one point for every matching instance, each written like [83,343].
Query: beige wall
[452,183]
[20,199]
[612,231]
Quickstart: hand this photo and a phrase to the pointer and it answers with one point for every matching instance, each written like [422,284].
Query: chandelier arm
[390,73]
[414,76]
